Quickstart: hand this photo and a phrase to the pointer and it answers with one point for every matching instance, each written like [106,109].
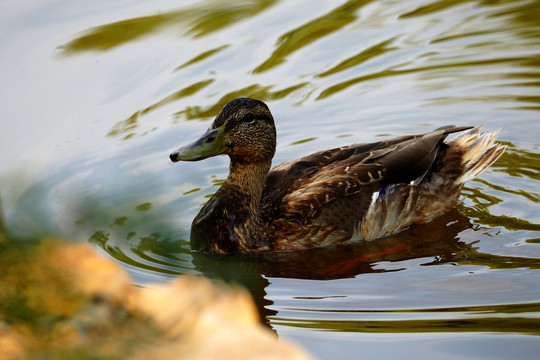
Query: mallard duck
[359,192]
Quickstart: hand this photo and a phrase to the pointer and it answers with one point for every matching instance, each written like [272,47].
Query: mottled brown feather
[334,187]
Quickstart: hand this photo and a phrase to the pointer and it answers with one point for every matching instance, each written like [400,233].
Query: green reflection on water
[198,20]
[303,141]
[144,207]
[202,56]
[519,163]
[119,221]
[514,162]
[174,253]
[498,261]
[437,6]
[191,191]
[363,56]
[334,89]
[310,32]
[265,93]
[129,125]
[515,324]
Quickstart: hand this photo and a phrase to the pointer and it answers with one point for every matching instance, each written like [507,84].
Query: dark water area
[96,94]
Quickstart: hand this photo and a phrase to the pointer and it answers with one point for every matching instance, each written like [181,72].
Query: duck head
[244,130]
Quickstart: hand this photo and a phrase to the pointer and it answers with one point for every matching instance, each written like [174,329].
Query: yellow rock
[63,300]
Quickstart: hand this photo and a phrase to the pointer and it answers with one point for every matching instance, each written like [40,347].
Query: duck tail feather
[479,152]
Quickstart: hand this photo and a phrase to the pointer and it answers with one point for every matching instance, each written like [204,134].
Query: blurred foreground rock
[61,300]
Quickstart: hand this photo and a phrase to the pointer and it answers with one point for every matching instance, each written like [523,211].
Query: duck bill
[208,145]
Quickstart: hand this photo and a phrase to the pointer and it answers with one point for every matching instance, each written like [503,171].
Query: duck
[353,193]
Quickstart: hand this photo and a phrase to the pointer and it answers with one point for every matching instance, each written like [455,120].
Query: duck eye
[249,117]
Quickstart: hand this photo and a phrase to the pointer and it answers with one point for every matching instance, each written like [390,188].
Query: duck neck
[231,222]
[245,184]
[242,228]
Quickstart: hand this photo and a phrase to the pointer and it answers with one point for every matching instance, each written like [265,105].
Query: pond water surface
[95,94]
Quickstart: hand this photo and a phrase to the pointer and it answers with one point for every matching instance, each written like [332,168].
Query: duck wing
[335,187]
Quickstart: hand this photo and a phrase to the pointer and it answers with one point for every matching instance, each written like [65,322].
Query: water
[96,93]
